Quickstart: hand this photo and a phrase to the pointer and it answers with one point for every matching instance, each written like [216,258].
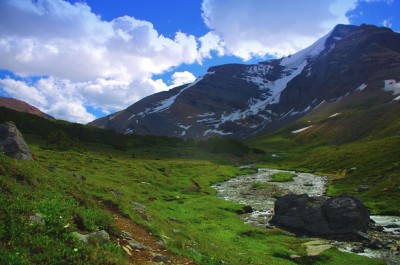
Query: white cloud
[55,97]
[260,27]
[84,60]
[387,23]
[181,78]
[23,91]
[104,64]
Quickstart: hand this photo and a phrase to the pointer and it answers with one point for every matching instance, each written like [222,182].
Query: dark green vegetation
[358,147]
[161,183]
[282,177]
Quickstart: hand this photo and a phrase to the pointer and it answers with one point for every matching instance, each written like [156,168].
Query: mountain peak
[237,100]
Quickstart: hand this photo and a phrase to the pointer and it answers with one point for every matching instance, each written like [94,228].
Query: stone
[174,219]
[247,209]
[126,235]
[12,142]
[161,259]
[136,245]
[316,247]
[346,214]
[37,218]
[98,236]
[340,215]
[364,235]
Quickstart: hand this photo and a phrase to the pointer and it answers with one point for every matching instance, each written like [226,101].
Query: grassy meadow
[162,184]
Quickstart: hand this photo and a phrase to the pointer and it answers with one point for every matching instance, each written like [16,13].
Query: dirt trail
[153,253]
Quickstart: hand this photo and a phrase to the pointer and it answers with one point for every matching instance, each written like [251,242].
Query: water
[243,190]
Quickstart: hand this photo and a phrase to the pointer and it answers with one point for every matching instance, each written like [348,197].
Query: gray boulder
[99,236]
[12,143]
[340,215]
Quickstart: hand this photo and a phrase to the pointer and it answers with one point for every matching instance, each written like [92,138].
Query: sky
[79,60]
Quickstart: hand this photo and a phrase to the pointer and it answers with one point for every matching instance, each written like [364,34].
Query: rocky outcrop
[12,143]
[340,215]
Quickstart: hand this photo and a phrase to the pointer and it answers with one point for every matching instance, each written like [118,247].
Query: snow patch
[207,114]
[393,86]
[362,87]
[184,127]
[166,103]
[334,115]
[314,50]
[216,131]
[302,129]
[128,131]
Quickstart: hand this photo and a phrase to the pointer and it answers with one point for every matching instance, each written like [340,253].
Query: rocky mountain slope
[22,106]
[240,101]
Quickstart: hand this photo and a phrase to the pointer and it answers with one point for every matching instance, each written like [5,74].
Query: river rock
[12,143]
[340,215]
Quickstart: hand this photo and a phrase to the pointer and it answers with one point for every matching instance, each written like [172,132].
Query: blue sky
[82,59]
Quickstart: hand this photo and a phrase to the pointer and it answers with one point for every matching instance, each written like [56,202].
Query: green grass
[282,177]
[356,148]
[28,189]
[209,230]
[150,180]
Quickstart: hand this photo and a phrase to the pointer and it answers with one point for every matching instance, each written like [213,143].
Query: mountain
[240,101]
[21,106]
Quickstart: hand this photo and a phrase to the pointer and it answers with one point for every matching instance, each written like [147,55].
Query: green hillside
[83,174]
[355,141]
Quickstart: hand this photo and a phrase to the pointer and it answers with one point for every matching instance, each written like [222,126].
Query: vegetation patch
[282,177]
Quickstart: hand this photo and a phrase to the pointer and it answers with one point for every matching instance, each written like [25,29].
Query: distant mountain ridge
[21,106]
[240,101]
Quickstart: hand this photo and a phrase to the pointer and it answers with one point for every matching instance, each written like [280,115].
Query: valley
[164,185]
[192,175]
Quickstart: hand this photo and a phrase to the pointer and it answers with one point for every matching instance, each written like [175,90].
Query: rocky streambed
[259,192]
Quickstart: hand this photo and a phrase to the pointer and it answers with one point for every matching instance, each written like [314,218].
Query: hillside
[22,106]
[354,140]
[242,101]
[163,185]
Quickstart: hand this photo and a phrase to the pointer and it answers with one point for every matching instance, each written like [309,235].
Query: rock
[341,215]
[362,188]
[316,247]
[37,218]
[308,184]
[137,245]
[161,259]
[12,143]
[247,209]
[99,236]
[346,214]
[357,249]
[174,219]
[126,235]
[363,236]
[375,244]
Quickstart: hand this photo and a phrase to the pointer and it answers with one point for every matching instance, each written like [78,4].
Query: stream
[260,193]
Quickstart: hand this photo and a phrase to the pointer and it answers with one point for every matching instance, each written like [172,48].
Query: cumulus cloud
[261,27]
[81,60]
[181,78]
[55,97]
[103,64]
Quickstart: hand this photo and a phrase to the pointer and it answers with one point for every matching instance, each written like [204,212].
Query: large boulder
[12,143]
[340,215]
